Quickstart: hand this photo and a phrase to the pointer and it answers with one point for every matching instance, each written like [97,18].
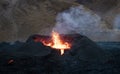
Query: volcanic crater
[33,57]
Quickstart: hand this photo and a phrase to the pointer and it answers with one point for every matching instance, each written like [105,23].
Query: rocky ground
[85,57]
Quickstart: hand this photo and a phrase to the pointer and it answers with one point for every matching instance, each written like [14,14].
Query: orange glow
[57,43]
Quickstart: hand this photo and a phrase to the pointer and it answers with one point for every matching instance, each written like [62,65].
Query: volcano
[78,46]
[33,57]
[55,42]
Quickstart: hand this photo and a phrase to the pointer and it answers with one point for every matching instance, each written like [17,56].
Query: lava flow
[57,43]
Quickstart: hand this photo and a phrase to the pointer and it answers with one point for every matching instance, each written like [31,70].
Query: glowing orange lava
[57,43]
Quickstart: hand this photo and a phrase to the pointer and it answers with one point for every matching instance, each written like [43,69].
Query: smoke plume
[117,22]
[78,20]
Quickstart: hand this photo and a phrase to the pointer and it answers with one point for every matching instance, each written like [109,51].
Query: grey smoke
[78,20]
[117,22]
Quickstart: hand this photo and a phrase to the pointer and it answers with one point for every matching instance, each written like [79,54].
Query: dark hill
[85,57]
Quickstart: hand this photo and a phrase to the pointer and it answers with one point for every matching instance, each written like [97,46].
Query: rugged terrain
[85,57]
[21,18]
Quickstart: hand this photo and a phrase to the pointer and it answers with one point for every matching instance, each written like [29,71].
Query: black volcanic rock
[35,49]
[86,49]
[84,57]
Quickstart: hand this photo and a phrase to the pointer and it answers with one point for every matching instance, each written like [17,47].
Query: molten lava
[57,43]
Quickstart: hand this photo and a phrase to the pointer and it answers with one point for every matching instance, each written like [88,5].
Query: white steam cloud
[78,20]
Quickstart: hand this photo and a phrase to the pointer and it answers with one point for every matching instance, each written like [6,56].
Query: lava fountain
[56,42]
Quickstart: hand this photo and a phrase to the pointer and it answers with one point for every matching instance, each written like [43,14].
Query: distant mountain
[21,18]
